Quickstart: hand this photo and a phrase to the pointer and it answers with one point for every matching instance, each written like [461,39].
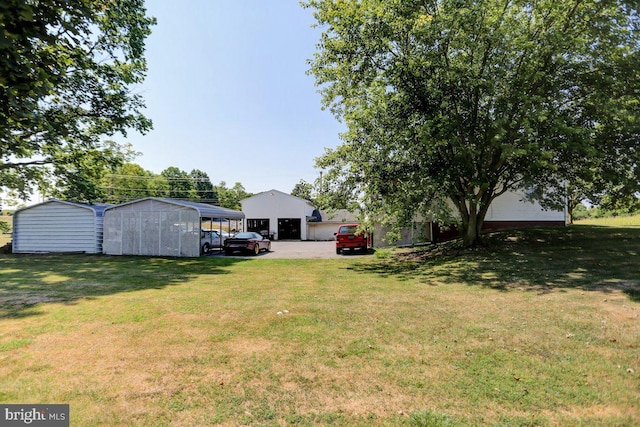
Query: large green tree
[68,74]
[304,190]
[230,197]
[453,103]
[180,184]
[203,186]
[130,182]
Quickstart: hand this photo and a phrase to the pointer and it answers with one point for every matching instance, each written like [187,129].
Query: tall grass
[541,327]
[612,221]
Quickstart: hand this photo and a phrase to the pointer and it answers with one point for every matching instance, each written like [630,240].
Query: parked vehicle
[247,242]
[225,234]
[210,239]
[348,238]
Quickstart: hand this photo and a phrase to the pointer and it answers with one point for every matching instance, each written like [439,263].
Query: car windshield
[246,235]
[348,229]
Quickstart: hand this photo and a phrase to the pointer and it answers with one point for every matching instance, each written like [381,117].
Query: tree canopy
[130,182]
[203,186]
[453,103]
[68,73]
[304,190]
[230,197]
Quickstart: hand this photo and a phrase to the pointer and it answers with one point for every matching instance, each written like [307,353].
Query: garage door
[258,225]
[289,228]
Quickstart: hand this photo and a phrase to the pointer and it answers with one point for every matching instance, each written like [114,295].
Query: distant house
[58,226]
[163,227]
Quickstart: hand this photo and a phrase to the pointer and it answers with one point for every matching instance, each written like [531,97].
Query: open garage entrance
[258,225]
[289,229]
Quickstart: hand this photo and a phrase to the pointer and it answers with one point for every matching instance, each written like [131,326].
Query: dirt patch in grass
[21,301]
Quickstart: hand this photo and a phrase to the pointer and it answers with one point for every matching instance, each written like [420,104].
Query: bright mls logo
[34,415]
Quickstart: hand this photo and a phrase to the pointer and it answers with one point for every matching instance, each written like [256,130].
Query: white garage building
[58,226]
[279,214]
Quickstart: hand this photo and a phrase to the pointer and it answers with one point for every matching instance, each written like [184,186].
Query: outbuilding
[58,226]
[329,222]
[163,227]
[284,216]
[280,215]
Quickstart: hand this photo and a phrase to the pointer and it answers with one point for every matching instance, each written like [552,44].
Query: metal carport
[162,227]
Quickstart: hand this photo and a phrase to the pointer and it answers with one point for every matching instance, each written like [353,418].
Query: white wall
[322,230]
[511,207]
[275,204]
[55,226]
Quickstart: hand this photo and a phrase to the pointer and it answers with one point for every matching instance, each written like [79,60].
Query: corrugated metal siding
[152,228]
[56,227]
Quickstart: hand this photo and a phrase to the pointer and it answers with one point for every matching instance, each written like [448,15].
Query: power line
[106,187]
[158,177]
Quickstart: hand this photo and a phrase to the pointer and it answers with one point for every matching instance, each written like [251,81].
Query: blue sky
[228,93]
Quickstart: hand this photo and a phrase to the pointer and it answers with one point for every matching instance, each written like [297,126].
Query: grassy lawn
[5,238]
[540,329]
[619,221]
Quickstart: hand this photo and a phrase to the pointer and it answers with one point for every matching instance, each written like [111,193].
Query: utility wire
[158,177]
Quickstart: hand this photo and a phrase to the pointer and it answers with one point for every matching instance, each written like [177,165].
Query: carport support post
[220,229]
[180,234]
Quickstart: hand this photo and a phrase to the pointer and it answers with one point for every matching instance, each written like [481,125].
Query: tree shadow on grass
[591,258]
[26,281]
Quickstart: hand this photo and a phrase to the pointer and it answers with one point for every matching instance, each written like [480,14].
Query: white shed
[279,214]
[162,227]
[58,226]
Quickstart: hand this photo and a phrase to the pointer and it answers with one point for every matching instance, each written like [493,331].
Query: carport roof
[205,210]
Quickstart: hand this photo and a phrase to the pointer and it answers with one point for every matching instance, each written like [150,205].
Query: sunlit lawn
[540,328]
[619,221]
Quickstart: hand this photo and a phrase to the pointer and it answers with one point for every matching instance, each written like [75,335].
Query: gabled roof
[205,210]
[279,193]
[98,209]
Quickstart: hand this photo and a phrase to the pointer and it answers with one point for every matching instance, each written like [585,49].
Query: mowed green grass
[5,238]
[540,328]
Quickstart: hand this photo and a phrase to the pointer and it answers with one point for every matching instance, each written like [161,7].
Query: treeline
[131,182]
[606,210]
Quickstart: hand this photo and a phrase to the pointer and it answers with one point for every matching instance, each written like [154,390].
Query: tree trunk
[473,219]
[471,231]
[570,205]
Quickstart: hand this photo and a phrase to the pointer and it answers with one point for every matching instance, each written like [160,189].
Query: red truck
[348,238]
